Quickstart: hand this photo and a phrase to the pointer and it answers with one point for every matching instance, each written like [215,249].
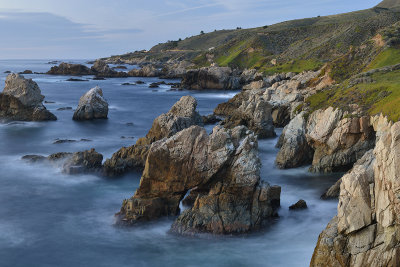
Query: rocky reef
[92,105]
[365,231]
[182,115]
[225,163]
[70,69]
[22,100]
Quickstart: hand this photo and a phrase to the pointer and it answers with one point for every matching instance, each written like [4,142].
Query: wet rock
[7,72]
[26,72]
[101,69]
[154,85]
[88,161]
[126,84]
[63,141]
[299,205]
[49,102]
[140,82]
[120,68]
[182,115]
[220,78]
[64,108]
[226,162]
[76,80]
[92,105]
[70,69]
[22,100]
[34,158]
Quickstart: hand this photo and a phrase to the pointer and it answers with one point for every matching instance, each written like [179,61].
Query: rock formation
[331,140]
[366,230]
[22,100]
[70,69]
[91,106]
[219,78]
[250,109]
[182,115]
[146,71]
[226,163]
[101,69]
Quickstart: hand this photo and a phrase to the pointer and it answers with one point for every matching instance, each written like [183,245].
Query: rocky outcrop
[294,148]
[250,109]
[88,161]
[182,115]
[338,139]
[70,69]
[226,162]
[146,71]
[331,140]
[92,105]
[22,100]
[101,69]
[366,230]
[299,205]
[218,78]
[175,70]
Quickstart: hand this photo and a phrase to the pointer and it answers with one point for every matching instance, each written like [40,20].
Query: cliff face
[389,4]
[366,231]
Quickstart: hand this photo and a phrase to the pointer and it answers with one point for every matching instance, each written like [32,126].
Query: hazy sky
[96,28]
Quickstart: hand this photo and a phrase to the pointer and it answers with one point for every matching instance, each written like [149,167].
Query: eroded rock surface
[219,78]
[225,162]
[22,100]
[92,105]
[181,116]
[366,230]
[70,69]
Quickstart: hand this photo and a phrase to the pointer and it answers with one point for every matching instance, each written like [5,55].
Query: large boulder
[182,115]
[22,100]
[220,78]
[366,230]
[226,162]
[250,109]
[70,69]
[92,105]
[294,150]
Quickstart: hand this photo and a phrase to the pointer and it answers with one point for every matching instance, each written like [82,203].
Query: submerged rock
[226,163]
[182,115]
[92,105]
[22,100]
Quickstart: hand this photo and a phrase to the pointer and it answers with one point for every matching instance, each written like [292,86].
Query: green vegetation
[387,57]
[380,96]
[294,66]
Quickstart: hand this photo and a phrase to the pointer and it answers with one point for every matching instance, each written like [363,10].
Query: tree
[202,32]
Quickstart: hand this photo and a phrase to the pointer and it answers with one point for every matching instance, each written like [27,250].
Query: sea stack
[92,105]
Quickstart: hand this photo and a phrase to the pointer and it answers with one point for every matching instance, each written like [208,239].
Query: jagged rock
[88,161]
[338,141]
[101,69]
[70,69]
[146,71]
[91,106]
[226,162]
[220,78]
[175,70]
[26,72]
[182,115]
[253,112]
[366,230]
[299,205]
[333,191]
[22,100]
[281,115]
[294,150]
[210,119]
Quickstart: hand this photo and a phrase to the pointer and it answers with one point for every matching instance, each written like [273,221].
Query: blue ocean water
[51,219]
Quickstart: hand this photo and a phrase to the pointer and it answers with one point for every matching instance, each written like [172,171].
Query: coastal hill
[294,45]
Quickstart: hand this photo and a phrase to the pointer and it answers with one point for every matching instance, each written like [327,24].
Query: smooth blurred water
[51,219]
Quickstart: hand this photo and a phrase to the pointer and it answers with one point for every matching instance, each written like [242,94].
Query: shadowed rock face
[226,163]
[70,69]
[220,78]
[146,71]
[22,100]
[182,115]
[366,230]
[91,106]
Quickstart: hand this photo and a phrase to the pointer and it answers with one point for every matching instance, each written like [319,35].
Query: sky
[89,29]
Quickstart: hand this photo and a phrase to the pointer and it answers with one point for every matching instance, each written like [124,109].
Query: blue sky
[90,29]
